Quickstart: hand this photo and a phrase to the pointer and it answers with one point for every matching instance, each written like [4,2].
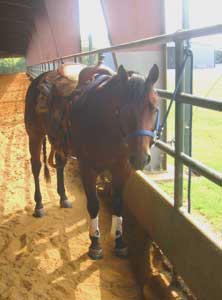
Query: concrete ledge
[196,256]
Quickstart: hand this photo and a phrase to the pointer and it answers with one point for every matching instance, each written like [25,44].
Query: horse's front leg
[60,165]
[119,176]
[89,176]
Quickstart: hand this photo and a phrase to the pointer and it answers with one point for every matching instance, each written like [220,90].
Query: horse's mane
[135,89]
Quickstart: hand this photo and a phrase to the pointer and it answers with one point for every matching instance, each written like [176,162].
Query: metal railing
[181,98]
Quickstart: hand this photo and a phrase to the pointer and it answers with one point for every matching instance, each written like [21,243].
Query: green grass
[207,146]
[206,199]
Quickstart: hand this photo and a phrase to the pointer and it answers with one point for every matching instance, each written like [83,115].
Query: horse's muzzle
[139,163]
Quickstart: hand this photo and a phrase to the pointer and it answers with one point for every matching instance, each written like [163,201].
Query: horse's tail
[46,169]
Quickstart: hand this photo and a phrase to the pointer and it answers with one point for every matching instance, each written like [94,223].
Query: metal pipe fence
[160,39]
[181,98]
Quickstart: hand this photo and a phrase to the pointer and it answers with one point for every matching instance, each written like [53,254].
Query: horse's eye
[117,111]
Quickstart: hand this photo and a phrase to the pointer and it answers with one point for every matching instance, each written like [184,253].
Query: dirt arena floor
[47,258]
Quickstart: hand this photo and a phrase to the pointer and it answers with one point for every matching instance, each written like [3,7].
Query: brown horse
[108,124]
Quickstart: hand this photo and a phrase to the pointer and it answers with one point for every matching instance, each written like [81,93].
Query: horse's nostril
[133,159]
[148,159]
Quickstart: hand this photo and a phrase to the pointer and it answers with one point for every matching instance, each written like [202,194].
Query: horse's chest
[103,156]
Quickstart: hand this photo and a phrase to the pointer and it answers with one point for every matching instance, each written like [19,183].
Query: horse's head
[138,115]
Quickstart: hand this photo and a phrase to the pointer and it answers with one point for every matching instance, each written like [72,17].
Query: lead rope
[190,135]
[188,55]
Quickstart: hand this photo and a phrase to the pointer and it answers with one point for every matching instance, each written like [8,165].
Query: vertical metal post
[188,88]
[179,128]
[164,79]
[90,41]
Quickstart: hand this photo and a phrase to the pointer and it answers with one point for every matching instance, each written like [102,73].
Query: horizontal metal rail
[160,39]
[195,165]
[193,100]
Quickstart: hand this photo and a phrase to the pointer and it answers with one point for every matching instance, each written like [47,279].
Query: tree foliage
[12,65]
[218,57]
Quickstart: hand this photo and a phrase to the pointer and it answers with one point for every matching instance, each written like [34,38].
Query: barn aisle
[47,258]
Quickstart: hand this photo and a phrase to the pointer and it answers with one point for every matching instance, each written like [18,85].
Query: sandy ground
[47,258]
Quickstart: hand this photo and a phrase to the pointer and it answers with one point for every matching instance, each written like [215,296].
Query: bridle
[154,134]
[150,133]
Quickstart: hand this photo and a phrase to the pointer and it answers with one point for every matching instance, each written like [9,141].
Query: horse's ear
[122,73]
[153,75]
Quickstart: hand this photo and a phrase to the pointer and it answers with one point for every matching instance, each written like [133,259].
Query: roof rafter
[16,4]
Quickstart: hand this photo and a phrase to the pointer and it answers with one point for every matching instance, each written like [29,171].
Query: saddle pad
[52,80]
[71,71]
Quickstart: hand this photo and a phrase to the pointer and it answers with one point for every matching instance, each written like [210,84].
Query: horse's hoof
[39,213]
[121,249]
[66,204]
[95,254]
[121,252]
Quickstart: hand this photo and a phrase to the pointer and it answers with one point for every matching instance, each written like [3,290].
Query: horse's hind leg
[60,165]
[89,183]
[35,145]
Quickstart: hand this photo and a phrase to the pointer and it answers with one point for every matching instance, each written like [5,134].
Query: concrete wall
[195,254]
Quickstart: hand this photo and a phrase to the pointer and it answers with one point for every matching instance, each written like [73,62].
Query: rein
[188,54]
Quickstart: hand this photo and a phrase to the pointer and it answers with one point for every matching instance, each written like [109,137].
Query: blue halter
[142,132]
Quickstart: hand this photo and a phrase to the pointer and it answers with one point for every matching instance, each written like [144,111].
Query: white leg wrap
[94,227]
[116,226]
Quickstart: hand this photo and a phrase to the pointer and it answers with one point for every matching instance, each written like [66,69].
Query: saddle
[59,135]
[64,81]
[73,94]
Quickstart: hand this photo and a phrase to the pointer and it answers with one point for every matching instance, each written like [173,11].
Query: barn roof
[39,29]
[16,23]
